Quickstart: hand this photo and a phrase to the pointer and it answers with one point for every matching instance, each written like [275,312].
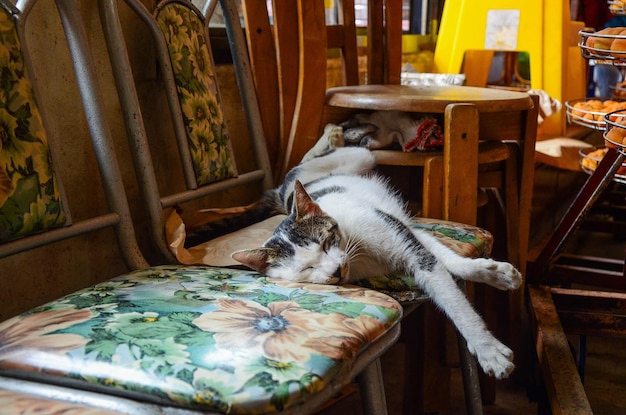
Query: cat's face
[308,246]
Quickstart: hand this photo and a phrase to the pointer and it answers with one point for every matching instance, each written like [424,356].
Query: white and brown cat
[345,223]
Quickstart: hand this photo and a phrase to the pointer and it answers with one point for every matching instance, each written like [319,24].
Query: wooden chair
[158,338]
[286,92]
[575,295]
[474,134]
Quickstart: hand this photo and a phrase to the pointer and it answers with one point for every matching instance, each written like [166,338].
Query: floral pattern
[200,337]
[29,194]
[196,83]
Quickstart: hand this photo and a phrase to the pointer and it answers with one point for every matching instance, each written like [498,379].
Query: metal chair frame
[366,367]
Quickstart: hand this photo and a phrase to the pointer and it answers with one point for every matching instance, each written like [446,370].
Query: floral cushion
[30,200]
[198,337]
[198,92]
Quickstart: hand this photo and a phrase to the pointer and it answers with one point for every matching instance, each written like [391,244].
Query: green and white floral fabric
[198,92]
[198,337]
[29,194]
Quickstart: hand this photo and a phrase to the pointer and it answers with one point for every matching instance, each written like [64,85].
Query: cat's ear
[304,204]
[257,259]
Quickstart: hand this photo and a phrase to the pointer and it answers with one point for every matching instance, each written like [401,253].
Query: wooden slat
[349,52]
[460,149]
[592,313]
[375,46]
[260,45]
[563,385]
[393,41]
[307,119]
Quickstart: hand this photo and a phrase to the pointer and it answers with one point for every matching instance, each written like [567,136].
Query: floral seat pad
[198,337]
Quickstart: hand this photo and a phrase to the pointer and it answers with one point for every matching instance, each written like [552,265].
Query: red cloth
[428,137]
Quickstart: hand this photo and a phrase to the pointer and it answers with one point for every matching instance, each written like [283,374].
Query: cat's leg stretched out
[498,274]
[495,358]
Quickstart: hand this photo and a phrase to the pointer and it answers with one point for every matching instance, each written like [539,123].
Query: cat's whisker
[353,246]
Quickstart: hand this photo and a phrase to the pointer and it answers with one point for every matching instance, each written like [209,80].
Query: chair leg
[372,389]
[471,383]
[470,374]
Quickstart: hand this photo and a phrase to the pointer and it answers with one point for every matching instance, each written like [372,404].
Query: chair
[286,92]
[575,295]
[448,192]
[159,338]
[141,142]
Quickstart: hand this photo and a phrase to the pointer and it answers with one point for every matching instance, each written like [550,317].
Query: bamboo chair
[155,339]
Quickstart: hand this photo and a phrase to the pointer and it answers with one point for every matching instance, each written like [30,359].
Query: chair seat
[198,337]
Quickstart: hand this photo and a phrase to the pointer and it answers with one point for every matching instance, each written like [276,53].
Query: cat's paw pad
[501,275]
[335,137]
[495,358]
[508,276]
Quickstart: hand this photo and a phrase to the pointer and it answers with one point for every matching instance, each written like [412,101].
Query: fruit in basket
[596,40]
[593,110]
[618,46]
[591,160]
[617,136]
[617,6]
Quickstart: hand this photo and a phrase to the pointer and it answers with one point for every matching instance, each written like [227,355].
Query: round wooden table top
[421,98]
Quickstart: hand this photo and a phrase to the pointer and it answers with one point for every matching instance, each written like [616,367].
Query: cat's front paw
[495,358]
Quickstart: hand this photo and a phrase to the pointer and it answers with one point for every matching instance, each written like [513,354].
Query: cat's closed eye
[329,242]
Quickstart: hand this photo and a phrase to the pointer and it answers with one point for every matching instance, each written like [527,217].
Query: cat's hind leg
[495,358]
[498,274]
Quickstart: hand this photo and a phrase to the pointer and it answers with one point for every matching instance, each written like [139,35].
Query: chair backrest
[180,36]
[289,43]
[33,208]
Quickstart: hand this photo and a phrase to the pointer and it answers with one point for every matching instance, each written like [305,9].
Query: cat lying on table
[345,223]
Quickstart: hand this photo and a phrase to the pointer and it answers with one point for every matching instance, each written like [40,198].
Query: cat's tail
[269,205]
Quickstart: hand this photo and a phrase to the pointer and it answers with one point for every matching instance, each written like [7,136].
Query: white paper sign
[502,29]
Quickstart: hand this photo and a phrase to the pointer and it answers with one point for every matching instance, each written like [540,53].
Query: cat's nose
[337,273]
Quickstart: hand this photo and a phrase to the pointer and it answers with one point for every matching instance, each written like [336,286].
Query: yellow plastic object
[542,28]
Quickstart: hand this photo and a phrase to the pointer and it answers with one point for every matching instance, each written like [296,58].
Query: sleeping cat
[347,224]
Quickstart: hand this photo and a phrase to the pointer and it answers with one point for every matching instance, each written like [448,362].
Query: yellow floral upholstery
[198,92]
[29,194]
[198,337]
